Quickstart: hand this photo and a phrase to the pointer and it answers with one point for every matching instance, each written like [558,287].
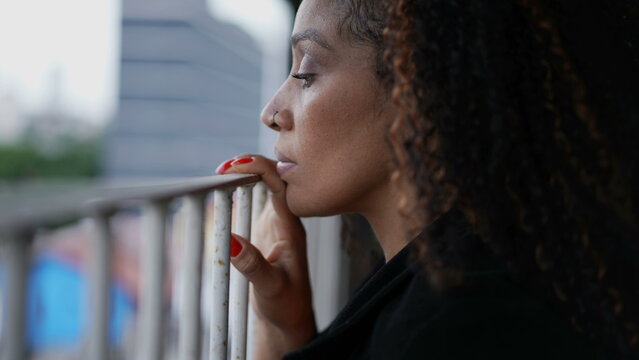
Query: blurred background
[135,88]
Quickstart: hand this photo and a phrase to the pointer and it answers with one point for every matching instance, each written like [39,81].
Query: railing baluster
[259,201]
[189,339]
[150,334]
[239,284]
[101,254]
[17,270]
[220,275]
[153,272]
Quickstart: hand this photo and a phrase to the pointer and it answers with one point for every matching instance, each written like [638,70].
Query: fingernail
[242,161]
[224,166]
[236,246]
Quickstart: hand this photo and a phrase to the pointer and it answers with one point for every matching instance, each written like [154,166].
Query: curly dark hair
[500,119]
[364,23]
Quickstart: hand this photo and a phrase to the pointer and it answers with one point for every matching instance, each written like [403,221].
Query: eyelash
[308,78]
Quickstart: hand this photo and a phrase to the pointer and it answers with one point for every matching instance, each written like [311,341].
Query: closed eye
[308,78]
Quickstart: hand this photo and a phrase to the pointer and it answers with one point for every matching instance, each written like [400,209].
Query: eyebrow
[312,35]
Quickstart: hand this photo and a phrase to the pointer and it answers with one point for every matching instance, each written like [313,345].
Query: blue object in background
[57,306]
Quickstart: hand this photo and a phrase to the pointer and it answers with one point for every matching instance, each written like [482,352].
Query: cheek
[341,141]
[340,119]
[340,109]
[327,138]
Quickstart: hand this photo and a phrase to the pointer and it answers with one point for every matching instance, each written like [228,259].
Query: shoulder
[495,319]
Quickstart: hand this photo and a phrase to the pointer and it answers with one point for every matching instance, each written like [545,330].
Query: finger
[248,260]
[255,164]
[267,169]
[276,251]
[225,165]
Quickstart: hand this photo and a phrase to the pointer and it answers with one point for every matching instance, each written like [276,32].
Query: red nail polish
[224,166]
[236,246]
[242,161]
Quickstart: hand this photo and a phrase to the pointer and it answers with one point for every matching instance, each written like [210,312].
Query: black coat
[396,314]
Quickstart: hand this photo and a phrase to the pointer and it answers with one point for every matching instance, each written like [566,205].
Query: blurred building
[12,123]
[189,92]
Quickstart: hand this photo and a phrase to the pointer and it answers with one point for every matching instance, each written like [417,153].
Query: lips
[284,167]
[284,164]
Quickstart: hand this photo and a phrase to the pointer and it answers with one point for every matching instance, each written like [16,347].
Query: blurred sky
[77,42]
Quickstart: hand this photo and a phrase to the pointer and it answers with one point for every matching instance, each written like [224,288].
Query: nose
[270,119]
[276,115]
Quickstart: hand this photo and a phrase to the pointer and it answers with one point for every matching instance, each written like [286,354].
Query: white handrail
[17,261]
[220,275]
[18,220]
[101,255]
[189,346]
[239,290]
[153,270]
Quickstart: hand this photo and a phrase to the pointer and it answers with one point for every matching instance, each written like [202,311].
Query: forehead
[321,15]
[320,21]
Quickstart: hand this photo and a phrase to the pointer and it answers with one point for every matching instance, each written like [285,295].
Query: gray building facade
[189,92]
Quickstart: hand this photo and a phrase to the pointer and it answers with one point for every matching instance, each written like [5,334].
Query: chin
[304,210]
[304,206]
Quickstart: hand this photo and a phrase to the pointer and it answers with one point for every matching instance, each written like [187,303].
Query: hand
[281,287]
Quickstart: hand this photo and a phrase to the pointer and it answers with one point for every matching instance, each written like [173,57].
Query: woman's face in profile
[332,115]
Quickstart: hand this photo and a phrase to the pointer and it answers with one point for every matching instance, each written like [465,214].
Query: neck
[390,226]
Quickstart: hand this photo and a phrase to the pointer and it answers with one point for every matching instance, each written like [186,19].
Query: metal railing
[21,217]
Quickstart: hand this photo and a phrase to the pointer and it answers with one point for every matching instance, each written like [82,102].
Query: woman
[476,125]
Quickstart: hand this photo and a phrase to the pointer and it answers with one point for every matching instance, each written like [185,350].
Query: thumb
[248,260]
